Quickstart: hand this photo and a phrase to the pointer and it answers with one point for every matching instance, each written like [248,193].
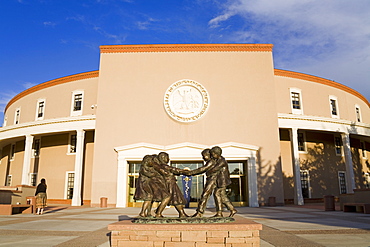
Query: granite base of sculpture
[157,183]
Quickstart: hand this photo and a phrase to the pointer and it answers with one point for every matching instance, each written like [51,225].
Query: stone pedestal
[240,233]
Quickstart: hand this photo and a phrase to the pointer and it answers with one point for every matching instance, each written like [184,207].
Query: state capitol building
[288,135]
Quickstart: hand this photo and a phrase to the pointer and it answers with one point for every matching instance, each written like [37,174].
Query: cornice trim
[75,77]
[186,48]
[297,75]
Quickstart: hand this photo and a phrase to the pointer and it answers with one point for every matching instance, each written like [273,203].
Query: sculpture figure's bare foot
[142,215]
[158,216]
[218,214]
[197,215]
[233,212]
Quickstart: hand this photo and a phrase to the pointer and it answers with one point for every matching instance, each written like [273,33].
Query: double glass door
[237,190]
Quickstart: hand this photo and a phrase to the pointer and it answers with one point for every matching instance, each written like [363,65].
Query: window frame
[70,151]
[34,154]
[335,99]
[73,101]
[12,151]
[37,117]
[303,135]
[299,92]
[31,175]
[8,181]
[345,182]
[358,113]
[17,115]
[67,184]
[337,147]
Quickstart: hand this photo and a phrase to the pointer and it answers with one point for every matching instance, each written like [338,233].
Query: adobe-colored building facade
[285,134]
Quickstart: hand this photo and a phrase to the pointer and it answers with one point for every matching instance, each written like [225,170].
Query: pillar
[76,199]
[252,182]
[122,182]
[27,160]
[298,196]
[349,163]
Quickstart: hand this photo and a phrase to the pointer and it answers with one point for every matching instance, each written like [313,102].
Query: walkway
[282,226]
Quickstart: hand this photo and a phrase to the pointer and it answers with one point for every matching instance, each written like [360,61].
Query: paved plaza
[307,225]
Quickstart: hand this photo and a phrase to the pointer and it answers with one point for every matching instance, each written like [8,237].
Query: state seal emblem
[186,101]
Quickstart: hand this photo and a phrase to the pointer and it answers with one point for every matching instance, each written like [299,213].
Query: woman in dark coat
[41,196]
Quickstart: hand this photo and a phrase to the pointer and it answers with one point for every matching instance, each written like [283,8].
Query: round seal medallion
[186,101]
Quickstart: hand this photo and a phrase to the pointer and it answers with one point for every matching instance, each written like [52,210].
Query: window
[17,116]
[305,182]
[33,179]
[334,106]
[70,181]
[363,150]
[338,145]
[358,113]
[301,142]
[342,183]
[9,180]
[296,101]
[72,143]
[77,103]
[40,109]
[36,148]
[12,152]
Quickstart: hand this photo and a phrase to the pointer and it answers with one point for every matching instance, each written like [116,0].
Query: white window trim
[359,112]
[66,183]
[299,91]
[345,178]
[69,144]
[15,115]
[332,97]
[79,112]
[37,110]
[341,146]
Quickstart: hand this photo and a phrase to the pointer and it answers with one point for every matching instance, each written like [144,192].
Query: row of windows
[76,109]
[297,107]
[337,144]
[70,178]
[72,147]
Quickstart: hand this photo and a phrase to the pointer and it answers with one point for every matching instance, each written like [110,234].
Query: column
[76,199]
[252,181]
[298,196]
[349,163]
[122,182]
[27,160]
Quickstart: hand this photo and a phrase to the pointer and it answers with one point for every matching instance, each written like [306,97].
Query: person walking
[41,196]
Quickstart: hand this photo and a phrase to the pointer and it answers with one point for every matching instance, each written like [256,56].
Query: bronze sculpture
[157,183]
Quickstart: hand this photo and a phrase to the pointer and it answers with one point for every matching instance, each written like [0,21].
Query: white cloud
[326,38]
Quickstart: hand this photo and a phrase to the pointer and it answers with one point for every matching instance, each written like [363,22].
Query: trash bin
[329,203]
[103,202]
[272,201]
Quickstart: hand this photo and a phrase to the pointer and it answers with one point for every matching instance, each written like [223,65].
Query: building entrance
[237,191]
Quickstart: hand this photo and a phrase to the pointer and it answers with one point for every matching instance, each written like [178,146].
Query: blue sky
[46,39]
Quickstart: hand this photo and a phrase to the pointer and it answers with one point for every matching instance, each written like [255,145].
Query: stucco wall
[130,107]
